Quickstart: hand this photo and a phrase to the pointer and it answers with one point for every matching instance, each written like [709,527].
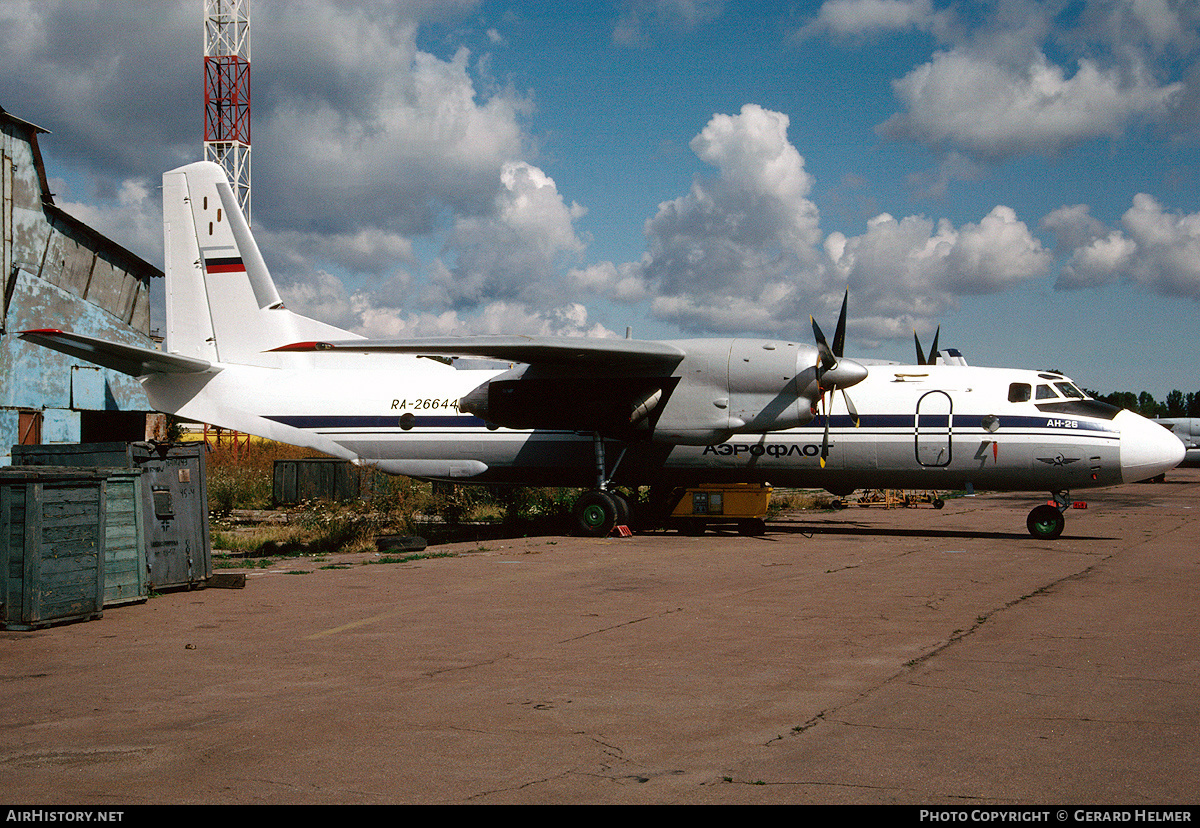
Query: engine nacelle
[720,388]
[529,397]
[735,386]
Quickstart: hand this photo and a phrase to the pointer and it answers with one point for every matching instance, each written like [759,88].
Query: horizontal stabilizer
[128,359]
[541,350]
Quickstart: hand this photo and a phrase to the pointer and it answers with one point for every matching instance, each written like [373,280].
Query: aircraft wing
[540,350]
[128,359]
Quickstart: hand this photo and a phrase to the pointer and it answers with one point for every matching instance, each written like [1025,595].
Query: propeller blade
[835,373]
[839,335]
[828,360]
[825,438]
[853,411]
[921,359]
[817,335]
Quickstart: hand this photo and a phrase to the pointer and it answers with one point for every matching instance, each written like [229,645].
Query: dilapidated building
[59,273]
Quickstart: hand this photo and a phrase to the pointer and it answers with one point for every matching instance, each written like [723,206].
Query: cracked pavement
[862,656]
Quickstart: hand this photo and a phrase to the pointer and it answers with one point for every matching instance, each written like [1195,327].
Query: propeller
[921,360]
[835,372]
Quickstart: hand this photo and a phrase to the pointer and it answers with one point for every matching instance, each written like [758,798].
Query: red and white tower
[227,92]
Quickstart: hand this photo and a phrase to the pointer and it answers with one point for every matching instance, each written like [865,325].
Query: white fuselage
[930,427]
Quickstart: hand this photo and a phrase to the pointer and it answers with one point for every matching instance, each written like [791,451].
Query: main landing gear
[1046,522]
[598,511]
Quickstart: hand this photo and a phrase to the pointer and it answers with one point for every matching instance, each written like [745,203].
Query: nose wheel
[1046,522]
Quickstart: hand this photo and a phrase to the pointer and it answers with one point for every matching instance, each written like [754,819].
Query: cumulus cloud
[731,254]
[905,272]
[515,251]
[132,216]
[993,110]
[871,17]
[992,92]
[364,126]
[1168,259]
[1153,248]
[326,298]
[743,250]
[640,19]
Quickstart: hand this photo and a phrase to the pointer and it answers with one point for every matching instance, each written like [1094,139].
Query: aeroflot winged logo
[1059,460]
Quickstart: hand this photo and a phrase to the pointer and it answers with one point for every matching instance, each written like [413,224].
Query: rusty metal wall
[55,272]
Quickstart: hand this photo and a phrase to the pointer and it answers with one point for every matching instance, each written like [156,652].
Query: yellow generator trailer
[743,505]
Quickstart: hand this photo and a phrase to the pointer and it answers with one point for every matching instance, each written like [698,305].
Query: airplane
[1187,429]
[601,413]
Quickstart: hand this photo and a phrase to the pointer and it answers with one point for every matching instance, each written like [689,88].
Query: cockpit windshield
[1070,391]
[1045,392]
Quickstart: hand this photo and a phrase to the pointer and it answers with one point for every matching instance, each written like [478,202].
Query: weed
[416,556]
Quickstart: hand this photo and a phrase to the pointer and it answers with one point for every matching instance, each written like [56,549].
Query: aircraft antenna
[227,92]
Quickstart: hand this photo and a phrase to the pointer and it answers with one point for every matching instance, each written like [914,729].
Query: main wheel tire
[595,514]
[624,509]
[1045,522]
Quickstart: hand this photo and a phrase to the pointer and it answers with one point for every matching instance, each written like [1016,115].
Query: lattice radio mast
[227,92]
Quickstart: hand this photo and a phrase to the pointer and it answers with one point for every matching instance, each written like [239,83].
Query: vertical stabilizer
[222,304]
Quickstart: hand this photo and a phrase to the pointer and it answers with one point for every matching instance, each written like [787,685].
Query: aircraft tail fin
[222,305]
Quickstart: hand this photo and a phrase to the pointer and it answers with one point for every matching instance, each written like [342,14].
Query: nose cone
[1147,449]
[846,373]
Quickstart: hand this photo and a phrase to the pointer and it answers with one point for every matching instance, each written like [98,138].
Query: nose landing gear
[1046,522]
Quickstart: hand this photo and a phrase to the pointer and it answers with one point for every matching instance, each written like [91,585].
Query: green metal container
[52,536]
[124,540]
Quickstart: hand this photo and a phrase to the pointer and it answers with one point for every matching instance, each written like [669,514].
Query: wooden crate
[52,535]
[125,567]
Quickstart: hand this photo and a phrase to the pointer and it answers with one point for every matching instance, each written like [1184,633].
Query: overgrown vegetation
[241,478]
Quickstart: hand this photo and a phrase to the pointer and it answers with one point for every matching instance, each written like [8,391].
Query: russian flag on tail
[224,264]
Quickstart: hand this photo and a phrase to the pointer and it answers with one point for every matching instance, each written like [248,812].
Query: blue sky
[1022,174]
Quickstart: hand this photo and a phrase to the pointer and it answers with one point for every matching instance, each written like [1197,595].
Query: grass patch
[416,556]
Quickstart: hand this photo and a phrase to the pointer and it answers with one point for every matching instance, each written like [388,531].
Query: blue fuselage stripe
[1009,424]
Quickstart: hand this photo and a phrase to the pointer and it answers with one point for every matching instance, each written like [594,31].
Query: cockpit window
[1069,390]
[1045,392]
[1019,392]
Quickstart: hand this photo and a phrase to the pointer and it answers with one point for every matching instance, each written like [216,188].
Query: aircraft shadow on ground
[861,530]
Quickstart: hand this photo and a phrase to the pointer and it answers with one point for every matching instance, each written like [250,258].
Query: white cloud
[993,110]
[131,217]
[517,249]
[743,251]
[740,241]
[640,19]
[363,126]
[869,17]
[904,273]
[1153,248]
[1168,255]
[497,318]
